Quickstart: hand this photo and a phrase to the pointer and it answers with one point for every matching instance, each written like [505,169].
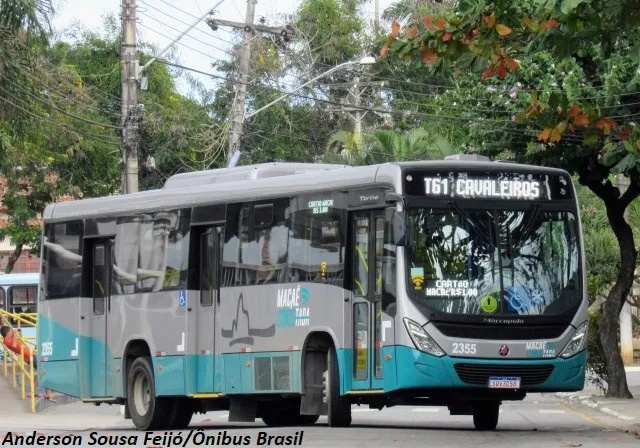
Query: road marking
[223,415]
[551,411]
[581,415]
[364,410]
[433,410]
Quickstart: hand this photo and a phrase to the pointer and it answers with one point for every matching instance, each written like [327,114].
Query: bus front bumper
[418,370]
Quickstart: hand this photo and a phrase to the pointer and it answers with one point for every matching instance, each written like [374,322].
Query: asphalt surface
[538,421]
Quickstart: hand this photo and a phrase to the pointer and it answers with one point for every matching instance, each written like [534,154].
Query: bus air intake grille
[500,332]
[478,374]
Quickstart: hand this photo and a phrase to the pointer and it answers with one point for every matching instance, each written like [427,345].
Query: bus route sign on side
[182,298]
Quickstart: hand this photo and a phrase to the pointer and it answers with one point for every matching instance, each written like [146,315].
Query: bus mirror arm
[399,229]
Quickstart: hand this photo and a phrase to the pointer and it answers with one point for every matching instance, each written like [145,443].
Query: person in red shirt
[13,343]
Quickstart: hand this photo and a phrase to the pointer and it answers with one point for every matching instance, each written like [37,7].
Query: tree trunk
[13,258]
[610,318]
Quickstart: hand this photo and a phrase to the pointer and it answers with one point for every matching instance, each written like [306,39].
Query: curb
[588,401]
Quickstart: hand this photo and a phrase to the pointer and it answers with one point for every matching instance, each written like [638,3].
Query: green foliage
[331,28]
[387,146]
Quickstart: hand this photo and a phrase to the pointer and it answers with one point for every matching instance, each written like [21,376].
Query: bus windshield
[494,262]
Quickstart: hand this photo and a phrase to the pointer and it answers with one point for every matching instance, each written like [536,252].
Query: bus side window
[360,257]
[388,270]
[3,299]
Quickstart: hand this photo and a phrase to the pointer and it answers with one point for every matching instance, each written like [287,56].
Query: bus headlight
[577,342]
[421,339]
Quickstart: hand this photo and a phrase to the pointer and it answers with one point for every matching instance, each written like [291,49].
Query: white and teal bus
[18,294]
[289,291]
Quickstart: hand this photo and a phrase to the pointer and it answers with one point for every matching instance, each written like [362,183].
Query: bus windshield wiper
[487,238]
[532,221]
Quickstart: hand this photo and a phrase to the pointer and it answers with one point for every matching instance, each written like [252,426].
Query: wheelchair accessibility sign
[182,298]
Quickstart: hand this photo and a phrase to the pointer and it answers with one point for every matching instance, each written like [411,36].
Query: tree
[172,127]
[585,124]
[23,26]
[384,145]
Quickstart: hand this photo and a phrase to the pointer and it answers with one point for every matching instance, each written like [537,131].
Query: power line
[57,123]
[63,112]
[179,31]
[208,34]
[181,43]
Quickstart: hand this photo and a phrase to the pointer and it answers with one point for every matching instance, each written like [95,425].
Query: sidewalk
[620,413]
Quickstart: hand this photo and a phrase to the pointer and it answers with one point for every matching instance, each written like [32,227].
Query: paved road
[539,421]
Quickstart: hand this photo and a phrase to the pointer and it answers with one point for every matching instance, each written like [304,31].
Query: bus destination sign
[517,189]
[481,185]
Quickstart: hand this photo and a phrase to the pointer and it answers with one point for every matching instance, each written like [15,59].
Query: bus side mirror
[399,229]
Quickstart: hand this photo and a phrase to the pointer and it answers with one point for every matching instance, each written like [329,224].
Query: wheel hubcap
[141,394]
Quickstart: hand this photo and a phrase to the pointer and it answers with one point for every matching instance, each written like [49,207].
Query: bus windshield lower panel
[494,262]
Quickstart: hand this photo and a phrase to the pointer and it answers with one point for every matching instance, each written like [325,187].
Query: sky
[159,21]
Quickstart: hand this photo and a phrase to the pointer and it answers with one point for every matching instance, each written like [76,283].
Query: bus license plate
[497,382]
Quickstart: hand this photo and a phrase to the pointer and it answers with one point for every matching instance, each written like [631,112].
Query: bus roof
[19,279]
[263,181]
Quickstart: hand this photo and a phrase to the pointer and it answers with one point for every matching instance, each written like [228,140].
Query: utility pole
[626,323]
[377,14]
[239,104]
[129,107]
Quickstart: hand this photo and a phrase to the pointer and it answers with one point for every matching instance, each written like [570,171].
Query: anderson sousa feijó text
[167,439]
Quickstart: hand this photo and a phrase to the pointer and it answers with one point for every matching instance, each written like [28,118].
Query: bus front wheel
[338,407]
[148,412]
[485,415]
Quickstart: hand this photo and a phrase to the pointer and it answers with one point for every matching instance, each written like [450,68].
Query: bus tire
[307,420]
[148,412]
[182,414]
[486,415]
[338,407]
[287,413]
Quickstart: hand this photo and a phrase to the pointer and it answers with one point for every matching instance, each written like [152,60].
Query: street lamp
[367,60]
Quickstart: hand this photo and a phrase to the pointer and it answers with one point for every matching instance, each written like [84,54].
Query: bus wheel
[485,415]
[148,412]
[307,420]
[277,419]
[183,413]
[338,408]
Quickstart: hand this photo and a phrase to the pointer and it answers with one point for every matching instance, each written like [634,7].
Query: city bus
[285,292]
[18,294]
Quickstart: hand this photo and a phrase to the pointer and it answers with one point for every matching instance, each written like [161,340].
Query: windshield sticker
[541,349]
[320,206]
[456,288]
[417,277]
[483,188]
[521,299]
[489,304]
[323,269]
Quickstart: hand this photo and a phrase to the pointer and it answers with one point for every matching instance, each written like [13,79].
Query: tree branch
[633,191]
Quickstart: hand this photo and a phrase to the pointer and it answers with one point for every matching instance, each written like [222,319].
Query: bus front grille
[479,374]
[500,332]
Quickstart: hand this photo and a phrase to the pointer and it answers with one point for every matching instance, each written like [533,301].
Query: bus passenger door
[367,245]
[101,377]
[209,303]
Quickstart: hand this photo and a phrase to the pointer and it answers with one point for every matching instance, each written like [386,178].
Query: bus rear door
[209,301]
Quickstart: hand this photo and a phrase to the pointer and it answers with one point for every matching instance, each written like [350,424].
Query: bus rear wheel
[148,412]
[486,415]
[287,413]
[338,407]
